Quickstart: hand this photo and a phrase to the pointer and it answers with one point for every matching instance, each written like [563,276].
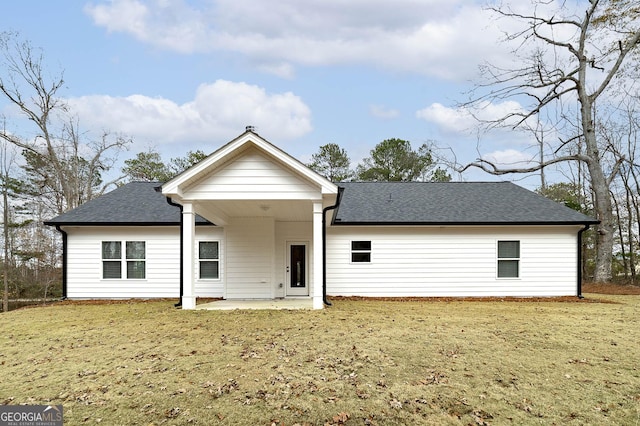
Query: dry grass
[359,362]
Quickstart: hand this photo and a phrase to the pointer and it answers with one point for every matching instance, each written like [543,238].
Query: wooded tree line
[567,62]
[390,160]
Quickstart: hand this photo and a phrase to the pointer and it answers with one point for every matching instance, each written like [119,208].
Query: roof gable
[249,143]
[250,176]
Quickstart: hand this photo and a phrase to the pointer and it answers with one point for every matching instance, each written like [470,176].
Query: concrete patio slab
[297,303]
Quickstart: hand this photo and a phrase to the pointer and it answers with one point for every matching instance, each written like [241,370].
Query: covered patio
[270,207]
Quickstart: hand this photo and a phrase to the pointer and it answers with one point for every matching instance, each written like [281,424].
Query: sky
[191,74]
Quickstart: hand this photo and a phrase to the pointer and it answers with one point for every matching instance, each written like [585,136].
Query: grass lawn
[358,362]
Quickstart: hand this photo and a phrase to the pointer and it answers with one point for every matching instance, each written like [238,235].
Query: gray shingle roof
[136,203]
[449,203]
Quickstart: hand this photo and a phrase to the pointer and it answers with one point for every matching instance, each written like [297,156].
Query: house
[251,222]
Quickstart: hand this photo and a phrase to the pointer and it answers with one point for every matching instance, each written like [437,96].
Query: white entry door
[297,269]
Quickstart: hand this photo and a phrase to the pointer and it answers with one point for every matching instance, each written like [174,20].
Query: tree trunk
[600,187]
[604,213]
[629,196]
[5,269]
[636,208]
[623,251]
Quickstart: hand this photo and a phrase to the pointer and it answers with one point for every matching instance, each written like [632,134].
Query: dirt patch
[614,289]
[113,301]
[560,299]
[68,302]
[595,288]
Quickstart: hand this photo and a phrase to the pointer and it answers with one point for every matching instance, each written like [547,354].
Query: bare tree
[568,57]
[6,162]
[64,165]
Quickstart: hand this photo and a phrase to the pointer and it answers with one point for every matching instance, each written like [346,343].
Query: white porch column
[188,268]
[317,256]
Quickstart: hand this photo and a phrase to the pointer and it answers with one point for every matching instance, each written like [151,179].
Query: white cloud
[219,111]
[432,37]
[464,120]
[172,25]
[383,113]
[450,120]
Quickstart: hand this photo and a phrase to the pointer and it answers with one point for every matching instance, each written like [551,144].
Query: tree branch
[491,168]
[631,44]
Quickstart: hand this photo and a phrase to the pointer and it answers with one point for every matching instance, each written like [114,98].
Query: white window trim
[352,251]
[123,261]
[518,259]
[103,260]
[127,260]
[219,260]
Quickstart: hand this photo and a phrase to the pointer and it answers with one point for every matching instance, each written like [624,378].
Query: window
[209,259]
[508,259]
[111,259]
[361,251]
[135,254]
[135,259]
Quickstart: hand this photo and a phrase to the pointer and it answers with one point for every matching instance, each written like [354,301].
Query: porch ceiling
[280,210]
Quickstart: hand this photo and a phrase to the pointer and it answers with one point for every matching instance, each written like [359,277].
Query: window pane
[135,250]
[135,269]
[111,270]
[111,250]
[508,268]
[208,249]
[508,249]
[361,257]
[209,270]
[361,245]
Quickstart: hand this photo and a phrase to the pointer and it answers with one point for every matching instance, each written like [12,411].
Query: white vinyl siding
[253,176]
[405,261]
[451,261]
[250,258]
[162,263]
